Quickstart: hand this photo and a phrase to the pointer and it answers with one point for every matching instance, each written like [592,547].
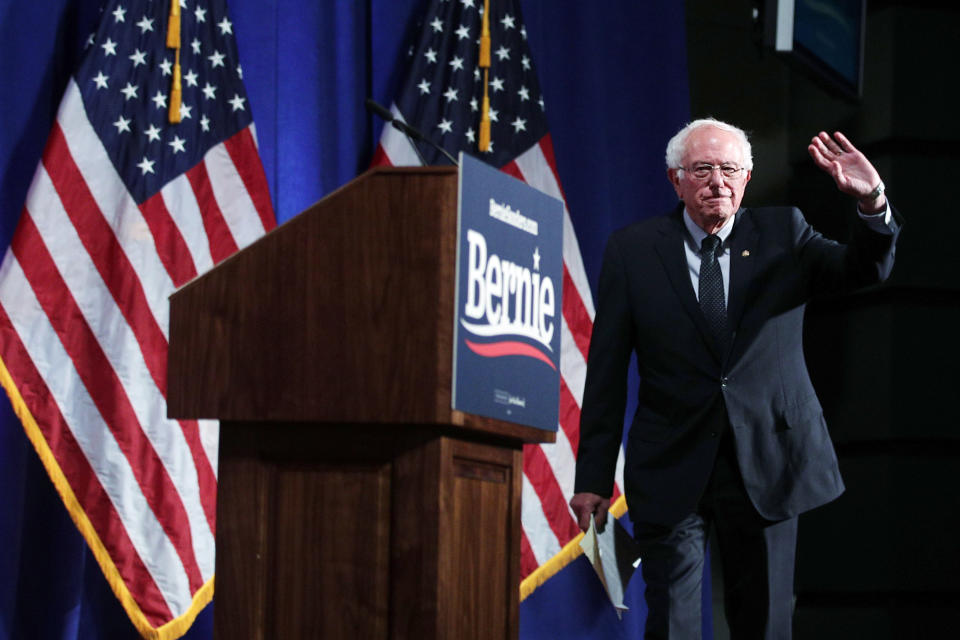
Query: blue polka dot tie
[711,290]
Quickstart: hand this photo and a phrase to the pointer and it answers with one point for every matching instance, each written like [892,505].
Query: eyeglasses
[703,171]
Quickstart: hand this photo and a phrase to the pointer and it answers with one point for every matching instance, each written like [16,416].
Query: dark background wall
[883,560]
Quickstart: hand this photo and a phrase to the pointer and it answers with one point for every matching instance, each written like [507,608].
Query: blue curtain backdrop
[614,79]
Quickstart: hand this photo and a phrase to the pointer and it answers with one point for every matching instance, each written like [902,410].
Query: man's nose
[716,177]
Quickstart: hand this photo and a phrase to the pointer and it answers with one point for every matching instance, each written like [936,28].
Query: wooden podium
[353,501]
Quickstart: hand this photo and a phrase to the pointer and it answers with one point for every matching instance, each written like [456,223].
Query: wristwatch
[873,195]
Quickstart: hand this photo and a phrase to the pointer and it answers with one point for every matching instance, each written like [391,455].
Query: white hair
[678,143]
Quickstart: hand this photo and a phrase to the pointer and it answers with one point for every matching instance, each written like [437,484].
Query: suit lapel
[743,259]
[671,251]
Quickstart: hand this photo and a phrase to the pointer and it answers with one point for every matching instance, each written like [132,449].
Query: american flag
[442,96]
[124,207]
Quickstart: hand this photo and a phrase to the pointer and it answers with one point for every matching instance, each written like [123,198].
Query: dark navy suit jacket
[690,392]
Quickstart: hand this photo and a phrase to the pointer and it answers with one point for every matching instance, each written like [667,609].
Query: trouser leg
[672,568]
[758,557]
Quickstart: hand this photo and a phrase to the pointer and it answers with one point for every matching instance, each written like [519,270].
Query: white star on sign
[536,258]
[100,80]
[146,166]
[216,59]
[122,124]
[237,102]
[152,133]
[177,145]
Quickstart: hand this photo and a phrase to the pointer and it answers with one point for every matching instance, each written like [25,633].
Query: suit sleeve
[836,268]
[605,390]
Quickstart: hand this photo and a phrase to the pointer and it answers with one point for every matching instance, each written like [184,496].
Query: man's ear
[674,176]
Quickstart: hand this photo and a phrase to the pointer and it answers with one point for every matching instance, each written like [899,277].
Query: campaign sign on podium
[506,362]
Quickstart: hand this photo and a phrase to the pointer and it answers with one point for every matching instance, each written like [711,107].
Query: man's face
[712,200]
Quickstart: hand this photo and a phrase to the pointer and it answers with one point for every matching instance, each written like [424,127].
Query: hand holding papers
[614,557]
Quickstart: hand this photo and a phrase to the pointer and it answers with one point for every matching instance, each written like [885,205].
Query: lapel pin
[745,254]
